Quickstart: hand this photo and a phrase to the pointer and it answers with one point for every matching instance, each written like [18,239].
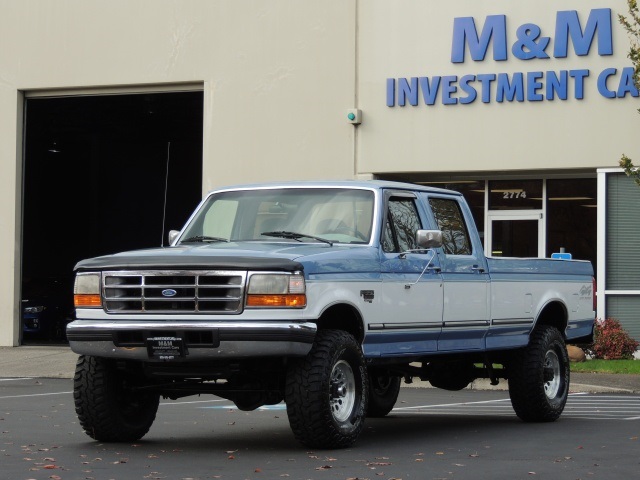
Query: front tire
[326,392]
[108,410]
[539,377]
[383,393]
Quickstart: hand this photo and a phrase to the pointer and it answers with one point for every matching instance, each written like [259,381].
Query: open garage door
[97,171]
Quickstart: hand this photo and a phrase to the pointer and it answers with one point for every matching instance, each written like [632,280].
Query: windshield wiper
[295,236]
[204,238]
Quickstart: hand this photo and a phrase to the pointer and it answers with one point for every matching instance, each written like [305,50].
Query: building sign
[528,45]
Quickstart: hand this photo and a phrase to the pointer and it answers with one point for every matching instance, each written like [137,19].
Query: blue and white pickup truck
[325,296]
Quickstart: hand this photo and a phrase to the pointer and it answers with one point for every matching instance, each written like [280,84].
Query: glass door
[515,234]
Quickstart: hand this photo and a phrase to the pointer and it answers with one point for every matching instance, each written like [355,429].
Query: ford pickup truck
[326,296]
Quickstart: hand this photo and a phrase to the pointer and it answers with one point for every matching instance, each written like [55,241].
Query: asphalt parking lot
[431,434]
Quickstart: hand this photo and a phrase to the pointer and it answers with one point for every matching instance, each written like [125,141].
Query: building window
[572,218]
[618,254]
[515,195]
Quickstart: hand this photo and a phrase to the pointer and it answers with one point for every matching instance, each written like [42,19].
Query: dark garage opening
[95,171]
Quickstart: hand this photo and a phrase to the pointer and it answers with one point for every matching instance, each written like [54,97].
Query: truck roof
[366,184]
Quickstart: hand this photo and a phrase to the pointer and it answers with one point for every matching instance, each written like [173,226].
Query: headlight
[276,290]
[86,290]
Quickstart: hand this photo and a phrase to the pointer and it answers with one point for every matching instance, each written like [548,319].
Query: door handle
[477,269]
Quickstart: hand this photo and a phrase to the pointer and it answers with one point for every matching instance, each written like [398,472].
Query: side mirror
[429,238]
[173,234]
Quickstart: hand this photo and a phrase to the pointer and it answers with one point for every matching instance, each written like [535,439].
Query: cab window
[450,221]
[402,222]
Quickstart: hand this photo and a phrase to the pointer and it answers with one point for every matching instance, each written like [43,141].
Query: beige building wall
[278,78]
[414,39]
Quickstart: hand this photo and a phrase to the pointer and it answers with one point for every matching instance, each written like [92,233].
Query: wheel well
[555,315]
[343,317]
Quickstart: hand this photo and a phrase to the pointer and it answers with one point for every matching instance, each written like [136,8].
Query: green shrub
[612,342]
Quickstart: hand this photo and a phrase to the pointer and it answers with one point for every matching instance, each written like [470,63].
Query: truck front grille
[219,292]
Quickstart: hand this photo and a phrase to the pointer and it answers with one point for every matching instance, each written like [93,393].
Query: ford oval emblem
[169,292]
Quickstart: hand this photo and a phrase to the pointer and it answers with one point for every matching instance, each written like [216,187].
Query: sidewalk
[59,362]
[37,361]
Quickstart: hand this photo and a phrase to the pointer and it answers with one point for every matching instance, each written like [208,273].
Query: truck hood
[313,258]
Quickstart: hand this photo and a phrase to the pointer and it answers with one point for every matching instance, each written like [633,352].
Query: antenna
[166,185]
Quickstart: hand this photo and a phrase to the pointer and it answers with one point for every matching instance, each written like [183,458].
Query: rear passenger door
[466,316]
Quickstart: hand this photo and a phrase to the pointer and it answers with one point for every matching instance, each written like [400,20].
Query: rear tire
[383,393]
[326,392]
[539,377]
[108,410]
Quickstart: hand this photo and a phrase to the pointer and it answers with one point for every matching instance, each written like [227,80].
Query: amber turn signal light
[84,300]
[277,300]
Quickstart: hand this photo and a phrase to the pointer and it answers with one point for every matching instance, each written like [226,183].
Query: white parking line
[36,395]
[196,401]
[451,404]
[581,406]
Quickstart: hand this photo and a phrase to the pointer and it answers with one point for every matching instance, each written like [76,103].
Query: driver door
[412,303]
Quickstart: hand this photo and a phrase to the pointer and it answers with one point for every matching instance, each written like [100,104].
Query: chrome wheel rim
[343,391]
[552,374]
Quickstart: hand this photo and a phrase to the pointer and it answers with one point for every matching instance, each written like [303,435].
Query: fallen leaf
[324,467]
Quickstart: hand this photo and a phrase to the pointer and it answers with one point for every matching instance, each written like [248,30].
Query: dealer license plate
[165,348]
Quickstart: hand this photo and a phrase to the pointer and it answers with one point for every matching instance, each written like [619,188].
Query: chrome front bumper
[127,339]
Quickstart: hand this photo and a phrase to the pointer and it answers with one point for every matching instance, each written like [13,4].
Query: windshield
[336,215]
